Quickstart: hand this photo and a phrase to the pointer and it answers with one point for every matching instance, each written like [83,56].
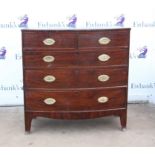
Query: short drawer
[103,77]
[100,57]
[50,59]
[62,78]
[51,78]
[49,39]
[104,38]
[76,100]
[104,57]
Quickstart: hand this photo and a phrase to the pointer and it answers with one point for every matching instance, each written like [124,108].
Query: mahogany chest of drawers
[75,74]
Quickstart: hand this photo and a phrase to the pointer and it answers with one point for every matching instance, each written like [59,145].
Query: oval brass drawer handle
[49,78]
[104,40]
[103,99]
[49,41]
[103,57]
[103,77]
[48,58]
[49,101]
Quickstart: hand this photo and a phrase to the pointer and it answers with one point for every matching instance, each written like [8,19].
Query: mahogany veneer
[75,74]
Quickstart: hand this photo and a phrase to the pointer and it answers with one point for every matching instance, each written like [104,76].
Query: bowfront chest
[75,74]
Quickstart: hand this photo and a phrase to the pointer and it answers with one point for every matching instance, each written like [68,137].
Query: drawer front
[81,58]
[99,77]
[49,59]
[49,40]
[105,38]
[53,78]
[102,57]
[76,100]
[76,78]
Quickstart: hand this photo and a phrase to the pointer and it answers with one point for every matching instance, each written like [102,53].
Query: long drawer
[76,100]
[76,77]
[100,57]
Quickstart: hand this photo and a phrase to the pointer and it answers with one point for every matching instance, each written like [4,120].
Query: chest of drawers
[75,74]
